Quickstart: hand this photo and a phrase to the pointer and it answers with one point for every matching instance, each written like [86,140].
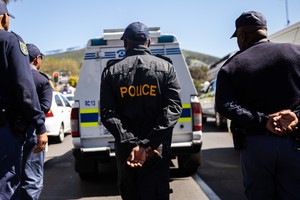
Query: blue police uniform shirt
[43,89]
[17,87]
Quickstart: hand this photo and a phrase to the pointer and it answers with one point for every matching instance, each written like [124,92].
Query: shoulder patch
[23,48]
[164,58]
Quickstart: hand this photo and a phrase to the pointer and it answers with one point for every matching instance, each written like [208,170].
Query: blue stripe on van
[89,56]
[89,117]
[157,51]
[115,54]
[173,51]
[186,112]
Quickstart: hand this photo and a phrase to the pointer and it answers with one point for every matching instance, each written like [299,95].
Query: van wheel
[61,134]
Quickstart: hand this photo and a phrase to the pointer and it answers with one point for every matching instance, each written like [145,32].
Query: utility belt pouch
[238,136]
[18,124]
[3,115]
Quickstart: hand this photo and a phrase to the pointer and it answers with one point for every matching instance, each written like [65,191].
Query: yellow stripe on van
[91,124]
[186,105]
[88,110]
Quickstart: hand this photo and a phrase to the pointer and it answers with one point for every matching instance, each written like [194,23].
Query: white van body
[290,34]
[92,141]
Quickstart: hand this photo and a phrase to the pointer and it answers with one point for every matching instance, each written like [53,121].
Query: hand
[272,126]
[150,153]
[282,122]
[42,140]
[287,120]
[137,157]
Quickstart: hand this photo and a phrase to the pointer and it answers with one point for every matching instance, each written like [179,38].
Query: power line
[287,13]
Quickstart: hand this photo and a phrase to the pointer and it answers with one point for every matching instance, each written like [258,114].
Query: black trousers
[150,182]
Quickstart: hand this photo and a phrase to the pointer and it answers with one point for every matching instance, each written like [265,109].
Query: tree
[66,66]
[199,75]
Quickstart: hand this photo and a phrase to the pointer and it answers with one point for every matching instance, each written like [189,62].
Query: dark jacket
[43,89]
[17,88]
[139,100]
[258,81]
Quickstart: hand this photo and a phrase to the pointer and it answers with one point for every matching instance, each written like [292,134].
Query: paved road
[61,182]
[219,176]
[221,169]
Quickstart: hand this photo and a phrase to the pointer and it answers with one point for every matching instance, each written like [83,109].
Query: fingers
[39,147]
[283,122]
[137,157]
[42,140]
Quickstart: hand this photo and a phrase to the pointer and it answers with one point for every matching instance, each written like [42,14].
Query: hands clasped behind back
[282,123]
[139,155]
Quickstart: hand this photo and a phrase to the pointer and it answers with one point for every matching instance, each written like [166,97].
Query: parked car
[207,101]
[58,118]
[70,98]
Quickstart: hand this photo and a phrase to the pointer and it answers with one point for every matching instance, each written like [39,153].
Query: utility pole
[287,13]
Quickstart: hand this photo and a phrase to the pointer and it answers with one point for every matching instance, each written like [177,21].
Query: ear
[149,42]
[35,61]
[125,43]
[5,21]
[5,17]
[243,36]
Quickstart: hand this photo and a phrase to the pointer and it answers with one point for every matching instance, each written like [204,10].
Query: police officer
[140,105]
[259,90]
[33,163]
[20,109]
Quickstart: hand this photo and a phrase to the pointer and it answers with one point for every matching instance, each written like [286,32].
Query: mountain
[191,56]
[76,55]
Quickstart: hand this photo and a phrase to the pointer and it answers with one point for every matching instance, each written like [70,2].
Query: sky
[203,26]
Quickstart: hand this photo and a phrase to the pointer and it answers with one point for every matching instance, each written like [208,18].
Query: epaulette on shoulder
[48,78]
[112,62]
[164,57]
[19,37]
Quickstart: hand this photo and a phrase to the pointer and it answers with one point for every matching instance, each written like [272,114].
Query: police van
[92,142]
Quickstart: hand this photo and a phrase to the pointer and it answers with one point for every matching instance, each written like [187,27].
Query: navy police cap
[136,31]
[33,51]
[250,18]
[3,9]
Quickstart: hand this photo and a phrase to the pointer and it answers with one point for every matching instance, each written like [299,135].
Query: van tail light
[75,122]
[197,116]
[49,114]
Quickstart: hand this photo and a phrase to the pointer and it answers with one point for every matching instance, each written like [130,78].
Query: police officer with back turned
[20,111]
[259,90]
[33,163]
[140,105]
